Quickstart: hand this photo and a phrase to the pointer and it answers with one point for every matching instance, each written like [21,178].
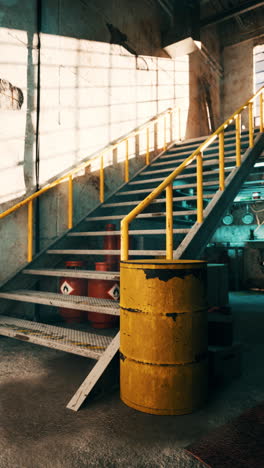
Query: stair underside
[90,304]
[64,339]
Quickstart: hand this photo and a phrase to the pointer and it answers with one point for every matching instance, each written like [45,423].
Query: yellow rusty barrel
[163,342]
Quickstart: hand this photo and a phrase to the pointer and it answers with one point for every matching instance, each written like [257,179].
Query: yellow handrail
[69,175]
[169,180]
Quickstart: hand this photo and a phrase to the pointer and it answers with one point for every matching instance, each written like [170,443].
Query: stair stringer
[194,242]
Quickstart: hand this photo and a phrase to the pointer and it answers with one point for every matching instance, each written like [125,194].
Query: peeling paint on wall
[11,97]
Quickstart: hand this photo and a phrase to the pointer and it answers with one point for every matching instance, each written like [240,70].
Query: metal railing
[146,127]
[198,155]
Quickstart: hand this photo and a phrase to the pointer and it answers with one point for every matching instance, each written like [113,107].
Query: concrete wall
[91,92]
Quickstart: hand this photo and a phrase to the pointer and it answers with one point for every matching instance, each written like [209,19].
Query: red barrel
[110,243]
[73,287]
[104,289]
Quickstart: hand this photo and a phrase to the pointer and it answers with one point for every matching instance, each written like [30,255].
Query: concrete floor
[36,431]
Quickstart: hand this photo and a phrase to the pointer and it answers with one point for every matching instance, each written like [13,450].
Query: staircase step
[229,140]
[132,232]
[91,304]
[195,143]
[65,339]
[206,160]
[211,183]
[87,274]
[139,253]
[210,162]
[208,150]
[143,215]
[158,200]
[182,176]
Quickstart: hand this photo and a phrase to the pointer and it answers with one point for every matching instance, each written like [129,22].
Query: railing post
[127,162]
[30,231]
[221,161]
[124,240]
[165,133]
[261,124]
[199,191]
[238,140]
[147,147]
[250,124]
[70,202]
[102,178]
[169,222]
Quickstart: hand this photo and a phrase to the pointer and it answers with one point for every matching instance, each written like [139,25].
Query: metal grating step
[64,339]
[207,159]
[158,200]
[87,274]
[105,252]
[211,183]
[143,215]
[206,163]
[229,136]
[214,146]
[92,304]
[182,176]
[132,232]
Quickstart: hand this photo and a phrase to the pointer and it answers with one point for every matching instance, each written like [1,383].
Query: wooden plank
[83,391]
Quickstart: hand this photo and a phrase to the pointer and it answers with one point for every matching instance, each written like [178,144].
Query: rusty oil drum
[163,335]
[104,289]
[73,287]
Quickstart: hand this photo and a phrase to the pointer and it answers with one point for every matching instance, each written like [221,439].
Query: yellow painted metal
[199,177]
[169,222]
[238,140]
[70,202]
[261,117]
[127,162]
[221,161]
[250,125]
[82,166]
[102,178]
[147,147]
[144,203]
[163,335]
[30,231]
[165,134]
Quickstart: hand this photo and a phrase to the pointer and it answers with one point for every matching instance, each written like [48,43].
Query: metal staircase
[193,205]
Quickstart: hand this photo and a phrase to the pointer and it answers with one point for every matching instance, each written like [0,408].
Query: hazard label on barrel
[114,292]
[66,288]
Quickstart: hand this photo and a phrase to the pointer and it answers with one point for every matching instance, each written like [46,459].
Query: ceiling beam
[225,15]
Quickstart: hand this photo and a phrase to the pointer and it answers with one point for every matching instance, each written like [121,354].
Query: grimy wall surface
[90,91]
